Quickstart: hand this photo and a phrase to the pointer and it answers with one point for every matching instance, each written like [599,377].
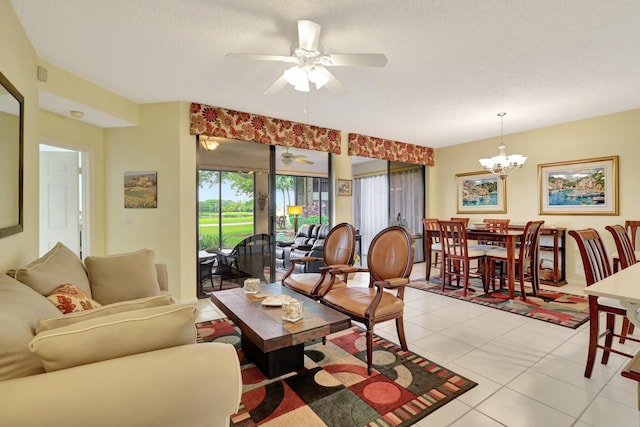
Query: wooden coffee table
[276,346]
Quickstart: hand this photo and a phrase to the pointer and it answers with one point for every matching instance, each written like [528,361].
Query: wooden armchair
[390,260]
[338,250]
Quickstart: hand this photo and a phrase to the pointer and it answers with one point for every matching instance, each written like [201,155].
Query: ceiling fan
[311,62]
[288,158]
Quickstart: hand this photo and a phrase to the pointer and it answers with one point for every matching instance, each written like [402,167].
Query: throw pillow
[116,335]
[70,299]
[123,277]
[105,310]
[59,265]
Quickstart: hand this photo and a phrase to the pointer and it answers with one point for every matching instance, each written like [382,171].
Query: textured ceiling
[452,64]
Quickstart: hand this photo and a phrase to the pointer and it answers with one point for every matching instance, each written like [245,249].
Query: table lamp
[294,210]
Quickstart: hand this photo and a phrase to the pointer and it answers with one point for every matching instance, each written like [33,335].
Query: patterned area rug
[550,306]
[334,389]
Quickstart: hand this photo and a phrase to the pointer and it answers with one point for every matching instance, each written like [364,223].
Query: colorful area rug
[333,389]
[550,306]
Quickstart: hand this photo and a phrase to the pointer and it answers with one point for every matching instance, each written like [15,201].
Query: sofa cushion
[105,310]
[70,299]
[20,309]
[58,266]
[116,335]
[123,277]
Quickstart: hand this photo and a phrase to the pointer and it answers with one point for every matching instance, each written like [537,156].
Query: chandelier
[502,165]
[208,143]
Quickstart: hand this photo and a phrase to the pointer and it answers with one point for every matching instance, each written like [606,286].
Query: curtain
[370,208]
[406,201]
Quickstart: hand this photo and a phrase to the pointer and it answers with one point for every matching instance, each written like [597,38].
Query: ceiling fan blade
[262,57]
[277,86]
[308,35]
[309,162]
[334,85]
[300,156]
[357,60]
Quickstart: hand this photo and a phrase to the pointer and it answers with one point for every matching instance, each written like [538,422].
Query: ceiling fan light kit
[311,63]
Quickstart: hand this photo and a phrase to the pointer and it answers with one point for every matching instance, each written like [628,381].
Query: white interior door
[59,200]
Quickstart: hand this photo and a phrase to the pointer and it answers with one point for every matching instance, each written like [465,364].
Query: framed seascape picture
[140,190]
[480,192]
[579,187]
[344,187]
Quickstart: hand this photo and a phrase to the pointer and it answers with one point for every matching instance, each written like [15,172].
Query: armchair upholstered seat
[337,251]
[390,261]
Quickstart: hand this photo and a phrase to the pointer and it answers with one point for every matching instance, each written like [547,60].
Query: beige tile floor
[529,372]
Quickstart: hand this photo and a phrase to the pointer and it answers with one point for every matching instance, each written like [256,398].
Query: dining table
[623,286]
[509,239]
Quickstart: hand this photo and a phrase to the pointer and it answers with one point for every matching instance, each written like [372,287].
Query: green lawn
[226,220]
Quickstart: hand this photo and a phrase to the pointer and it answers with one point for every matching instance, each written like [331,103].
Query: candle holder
[292,310]
[251,286]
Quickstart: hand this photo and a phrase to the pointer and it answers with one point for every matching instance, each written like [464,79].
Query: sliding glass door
[225,208]
[388,193]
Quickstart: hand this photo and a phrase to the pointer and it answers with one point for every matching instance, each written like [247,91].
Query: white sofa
[97,367]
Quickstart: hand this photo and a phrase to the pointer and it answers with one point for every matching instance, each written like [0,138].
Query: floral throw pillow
[70,299]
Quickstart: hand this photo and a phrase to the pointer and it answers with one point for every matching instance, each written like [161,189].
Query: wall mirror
[11,157]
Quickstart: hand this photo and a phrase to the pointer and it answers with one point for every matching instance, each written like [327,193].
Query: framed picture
[344,187]
[140,190]
[480,192]
[579,187]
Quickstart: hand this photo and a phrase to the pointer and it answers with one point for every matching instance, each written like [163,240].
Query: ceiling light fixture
[502,165]
[208,143]
[300,76]
[76,114]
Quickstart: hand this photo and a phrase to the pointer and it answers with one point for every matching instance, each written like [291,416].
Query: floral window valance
[378,148]
[220,122]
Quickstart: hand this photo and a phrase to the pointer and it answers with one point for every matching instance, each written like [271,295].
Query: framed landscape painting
[579,187]
[140,190]
[480,192]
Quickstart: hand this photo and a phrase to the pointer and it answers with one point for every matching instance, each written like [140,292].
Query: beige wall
[160,143]
[616,134]
[341,164]
[18,62]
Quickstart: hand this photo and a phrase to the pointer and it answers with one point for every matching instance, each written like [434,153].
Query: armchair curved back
[340,245]
[252,255]
[390,254]
[594,255]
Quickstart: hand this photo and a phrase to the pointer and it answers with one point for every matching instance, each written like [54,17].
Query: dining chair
[338,251]
[432,245]
[625,257]
[632,227]
[465,221]
[389,261]
[628,244]
[526,255]
[457,256]
[596,267]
